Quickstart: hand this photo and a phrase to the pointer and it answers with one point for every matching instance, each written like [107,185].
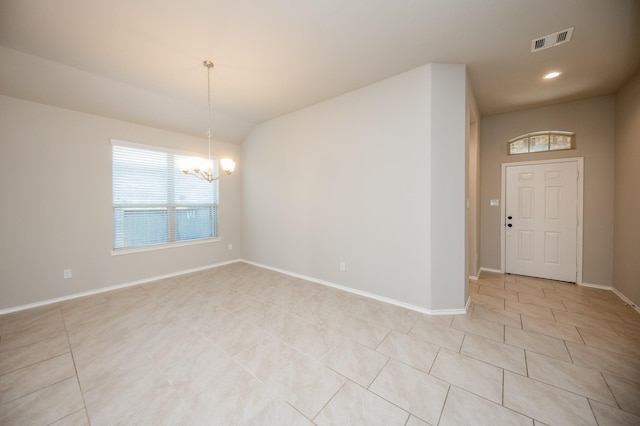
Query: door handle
[509,217]
[509,225]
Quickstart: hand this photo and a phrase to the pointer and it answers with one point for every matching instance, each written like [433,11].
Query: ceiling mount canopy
[201,168]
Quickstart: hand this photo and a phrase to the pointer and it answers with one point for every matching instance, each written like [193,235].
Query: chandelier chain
[209,65]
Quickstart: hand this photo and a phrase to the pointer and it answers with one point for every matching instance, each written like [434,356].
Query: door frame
[580,200]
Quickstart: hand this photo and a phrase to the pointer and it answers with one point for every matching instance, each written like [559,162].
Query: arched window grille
[548,140]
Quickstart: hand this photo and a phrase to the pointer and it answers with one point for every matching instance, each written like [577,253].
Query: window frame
[526,139]
[171,207]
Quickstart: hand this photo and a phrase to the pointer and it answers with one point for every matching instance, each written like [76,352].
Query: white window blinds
[155,203]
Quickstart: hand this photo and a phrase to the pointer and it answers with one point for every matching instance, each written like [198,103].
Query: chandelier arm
[205,176]
[219,176]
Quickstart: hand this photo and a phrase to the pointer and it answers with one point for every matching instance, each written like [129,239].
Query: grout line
[444,404]
[75,368]
[332,396]
[291,405]
[503,374]
[378,374]
[385,399]
[610,391]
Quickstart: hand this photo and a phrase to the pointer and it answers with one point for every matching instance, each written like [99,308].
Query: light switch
[494,203]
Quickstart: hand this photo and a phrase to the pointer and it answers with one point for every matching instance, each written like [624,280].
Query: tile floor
[243,345]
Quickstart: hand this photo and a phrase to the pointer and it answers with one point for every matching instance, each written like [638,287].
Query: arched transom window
[548,140]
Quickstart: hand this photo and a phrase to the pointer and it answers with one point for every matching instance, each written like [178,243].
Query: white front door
[541,220]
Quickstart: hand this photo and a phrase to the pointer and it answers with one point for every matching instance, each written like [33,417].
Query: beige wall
[449,102]
[473,195]
[626,275]
[350,180]
[593,122]
[55,186]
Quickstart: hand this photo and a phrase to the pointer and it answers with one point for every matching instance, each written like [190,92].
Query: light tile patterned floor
[244,345]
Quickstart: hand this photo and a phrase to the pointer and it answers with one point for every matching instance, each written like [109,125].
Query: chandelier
[202,168]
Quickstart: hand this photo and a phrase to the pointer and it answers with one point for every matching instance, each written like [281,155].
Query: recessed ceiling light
[553,74]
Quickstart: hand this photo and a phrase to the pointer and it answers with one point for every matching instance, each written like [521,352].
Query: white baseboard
[112,287]
[600,286]
[476,277]
[365,293]
[496,271]
[615,291]
[626,299]
[187,271]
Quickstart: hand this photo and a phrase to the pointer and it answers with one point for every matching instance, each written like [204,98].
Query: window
[155,203]
[550,140]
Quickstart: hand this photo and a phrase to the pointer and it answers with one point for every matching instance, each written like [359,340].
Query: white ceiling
[141,60]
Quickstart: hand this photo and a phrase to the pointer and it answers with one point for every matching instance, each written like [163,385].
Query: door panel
[541,237]
[525,246]
[552,203]
[552,247]
[526,201]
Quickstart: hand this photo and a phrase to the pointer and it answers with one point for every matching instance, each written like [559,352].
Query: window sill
[119,252]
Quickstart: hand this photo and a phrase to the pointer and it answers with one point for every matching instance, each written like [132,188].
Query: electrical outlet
[230,247]
[343,266]
[67,273]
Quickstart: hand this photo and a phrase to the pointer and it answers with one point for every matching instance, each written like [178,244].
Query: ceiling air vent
[551,40]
